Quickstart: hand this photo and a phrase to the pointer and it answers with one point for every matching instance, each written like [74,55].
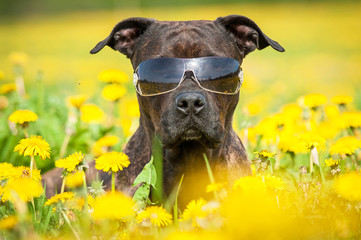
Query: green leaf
[148,175]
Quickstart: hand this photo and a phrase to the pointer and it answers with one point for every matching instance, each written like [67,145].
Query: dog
[189,119]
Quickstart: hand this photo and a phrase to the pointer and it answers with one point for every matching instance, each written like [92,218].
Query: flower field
[299,118]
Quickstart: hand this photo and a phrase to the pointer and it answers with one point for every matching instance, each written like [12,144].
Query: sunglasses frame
[194,78]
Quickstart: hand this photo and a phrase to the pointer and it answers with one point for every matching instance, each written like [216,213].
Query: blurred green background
[322,41]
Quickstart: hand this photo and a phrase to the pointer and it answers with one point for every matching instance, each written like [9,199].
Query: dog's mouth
[193,135]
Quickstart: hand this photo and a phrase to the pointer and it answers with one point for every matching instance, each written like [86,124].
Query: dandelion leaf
[148,176]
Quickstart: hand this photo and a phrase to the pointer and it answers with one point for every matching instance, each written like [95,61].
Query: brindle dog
[199,128]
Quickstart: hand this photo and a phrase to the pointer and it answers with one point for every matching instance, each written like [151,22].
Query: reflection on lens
[229,84]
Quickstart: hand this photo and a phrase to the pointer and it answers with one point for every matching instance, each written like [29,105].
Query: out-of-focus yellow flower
[330,162]
[7,88]
[18,58]
[71,162]
[265,154]
[24,188]
[130,107]
[214,187]
[314,100]
[345,145]
[113,76]
[348,186]
[91,113]
[35,145]
[252,109]
[4,103]
[292,111]
[23,116]
[195,211]
[102,144]
[6,170]
[2,75]
[113,92]
[351,119]
[312,140]
[61,197]
[332,112]
[112,161]
[77,101]
[75,179]
[157,216]
[113,206]
[342,99]
[250,185]
[289,142]
[8,223]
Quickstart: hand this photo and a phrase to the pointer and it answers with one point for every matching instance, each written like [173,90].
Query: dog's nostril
[189,103]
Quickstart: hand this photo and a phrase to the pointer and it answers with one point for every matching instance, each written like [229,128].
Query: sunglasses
[162,75]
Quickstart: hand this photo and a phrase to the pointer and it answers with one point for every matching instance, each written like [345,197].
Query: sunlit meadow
[299,117]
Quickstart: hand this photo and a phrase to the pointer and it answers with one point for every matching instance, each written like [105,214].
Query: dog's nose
[190,102]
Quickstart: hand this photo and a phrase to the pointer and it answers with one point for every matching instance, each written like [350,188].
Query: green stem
[175,209]
[113,182]
[85,193]
[71,227]
[209,170]
[63,184]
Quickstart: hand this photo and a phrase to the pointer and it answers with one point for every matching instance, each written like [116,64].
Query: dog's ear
[124,35]
[247,34]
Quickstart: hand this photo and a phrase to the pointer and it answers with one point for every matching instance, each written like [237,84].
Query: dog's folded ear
[247,34]
[124,35]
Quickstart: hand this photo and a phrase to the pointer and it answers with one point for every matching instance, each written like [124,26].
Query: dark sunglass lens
[159,75]
[219,75]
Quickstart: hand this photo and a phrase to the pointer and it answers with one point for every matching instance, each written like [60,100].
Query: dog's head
[189,113]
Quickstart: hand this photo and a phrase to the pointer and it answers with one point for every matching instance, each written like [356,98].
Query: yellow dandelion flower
[22,171]
[273,182]
[342,99]
[75,179]
[35,145]
[292,111]
[157,216]
[214,187]
[24,188]
[78,203]
[18,58]
[351,119]
[91,113]
[265,154]
[195,211]
[101,145]
[113,76]
[113,206]
[23,116]
[312,140]
[348,186]
[345,145]
[4,102]
[113,92]
[112,161]
[71,162]
[6,170]
[314,100]
[7,88]
[77,101]
[330,162]
[290,143]
[61,197]
[8,223]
